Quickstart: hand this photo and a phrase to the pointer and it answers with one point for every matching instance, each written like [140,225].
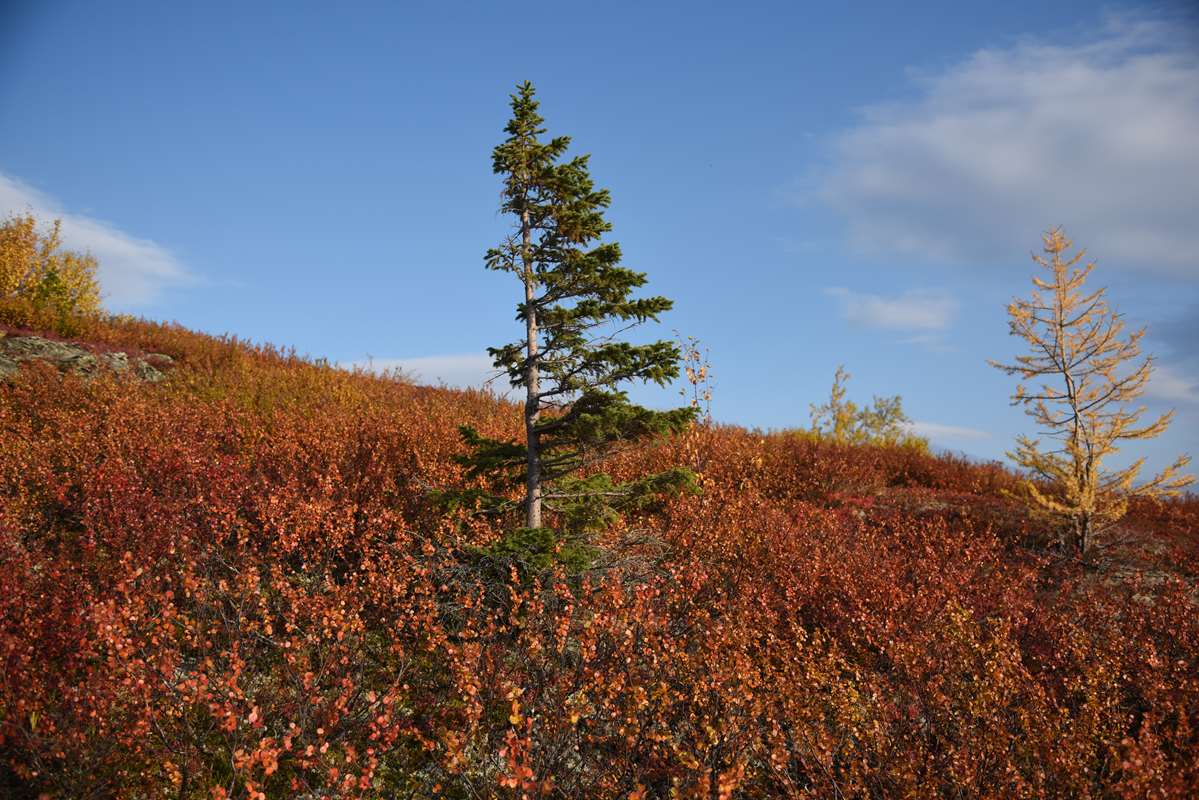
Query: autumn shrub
[48,286]
[234,583]
[844,421]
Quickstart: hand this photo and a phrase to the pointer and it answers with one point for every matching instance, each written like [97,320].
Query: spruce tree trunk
[532,385]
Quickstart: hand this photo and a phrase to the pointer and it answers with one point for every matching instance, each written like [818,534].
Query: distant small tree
[1090,373]
[697,369]
[575,302]
[842,421]
[35,268]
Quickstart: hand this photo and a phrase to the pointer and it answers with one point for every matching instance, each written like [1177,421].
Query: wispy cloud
[1096,134]
[461,370]
[133,272]
[1172,385]
[939,432]
[918,311]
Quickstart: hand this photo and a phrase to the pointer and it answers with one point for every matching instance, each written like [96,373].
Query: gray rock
[16,350]
[118,362]
[146,372]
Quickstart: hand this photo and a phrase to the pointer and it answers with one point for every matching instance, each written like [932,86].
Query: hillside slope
[232,583]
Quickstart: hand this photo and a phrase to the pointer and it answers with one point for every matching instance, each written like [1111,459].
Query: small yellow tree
[1090,372]
[843,421]
[33,267]
[837,418]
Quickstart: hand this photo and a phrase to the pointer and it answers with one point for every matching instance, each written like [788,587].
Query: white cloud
[918,310]
[465,370]
[132,272]
[1098,135]
[939,432]
[1169,384]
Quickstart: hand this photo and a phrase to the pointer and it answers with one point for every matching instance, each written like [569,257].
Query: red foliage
[232,584]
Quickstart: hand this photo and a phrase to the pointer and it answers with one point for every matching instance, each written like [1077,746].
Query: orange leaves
[515,718]
[247,582]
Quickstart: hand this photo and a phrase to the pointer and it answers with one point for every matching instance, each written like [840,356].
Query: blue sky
[856,183]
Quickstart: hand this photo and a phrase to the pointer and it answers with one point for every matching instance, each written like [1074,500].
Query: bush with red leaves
[233,584]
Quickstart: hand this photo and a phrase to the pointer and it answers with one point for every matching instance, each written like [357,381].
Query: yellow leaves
[33,267]
[1076,344]
[515,718]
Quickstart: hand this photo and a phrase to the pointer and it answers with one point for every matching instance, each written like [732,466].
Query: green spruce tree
[569,362]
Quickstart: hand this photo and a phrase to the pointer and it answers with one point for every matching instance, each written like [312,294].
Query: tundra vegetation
[240,582]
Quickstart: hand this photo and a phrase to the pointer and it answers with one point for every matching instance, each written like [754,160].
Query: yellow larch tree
[1087,372]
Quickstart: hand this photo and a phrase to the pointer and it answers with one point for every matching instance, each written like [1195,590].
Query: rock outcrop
[67,357]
